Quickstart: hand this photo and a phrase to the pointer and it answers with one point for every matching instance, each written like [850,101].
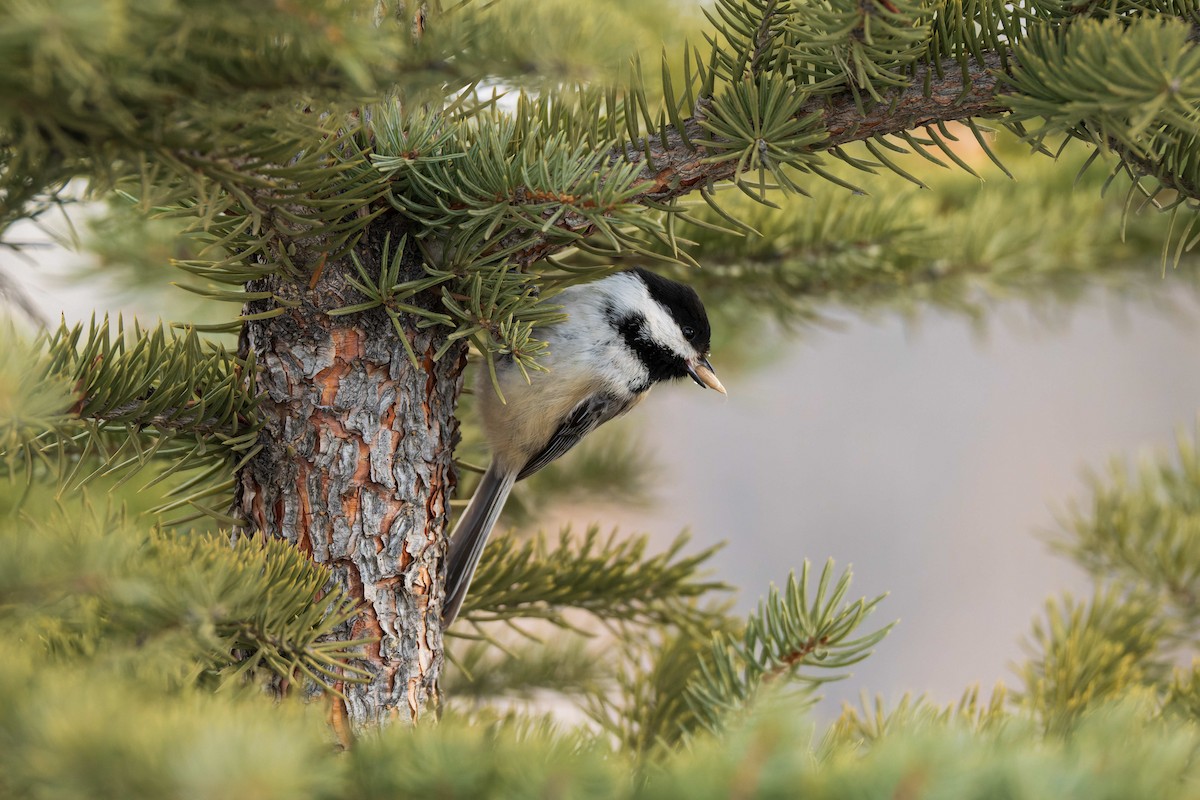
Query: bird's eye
[688,332]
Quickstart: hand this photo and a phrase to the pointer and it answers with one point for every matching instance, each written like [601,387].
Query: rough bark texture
[357,472]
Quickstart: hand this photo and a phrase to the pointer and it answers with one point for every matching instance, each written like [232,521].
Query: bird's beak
[702,373]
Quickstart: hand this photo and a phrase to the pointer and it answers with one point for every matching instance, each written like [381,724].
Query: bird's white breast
[586,356]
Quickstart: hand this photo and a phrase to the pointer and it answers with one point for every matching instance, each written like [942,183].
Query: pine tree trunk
[357,470]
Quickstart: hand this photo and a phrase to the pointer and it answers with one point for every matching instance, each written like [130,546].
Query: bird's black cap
[682,303]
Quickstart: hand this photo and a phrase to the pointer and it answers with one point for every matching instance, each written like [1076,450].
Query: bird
[621,335]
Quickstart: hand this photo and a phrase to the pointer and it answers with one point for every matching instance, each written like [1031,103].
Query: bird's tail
[471,534]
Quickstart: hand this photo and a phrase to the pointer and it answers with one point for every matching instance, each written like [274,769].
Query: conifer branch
[186,600]
[1140,165]
[1139,526]
[154,379]
[562,665]
[793,628]
[1085,653]
[103,402]
[677,167]
[613,578]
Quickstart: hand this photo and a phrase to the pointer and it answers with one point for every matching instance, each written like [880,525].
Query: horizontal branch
[1145,166]
[169,419]
[935,95]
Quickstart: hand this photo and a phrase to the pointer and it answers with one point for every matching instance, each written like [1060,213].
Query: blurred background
[929,458]
[927,430]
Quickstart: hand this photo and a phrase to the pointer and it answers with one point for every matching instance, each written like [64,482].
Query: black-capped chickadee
[622,335]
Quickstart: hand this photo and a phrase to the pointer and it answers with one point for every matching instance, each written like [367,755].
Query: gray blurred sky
[927,458]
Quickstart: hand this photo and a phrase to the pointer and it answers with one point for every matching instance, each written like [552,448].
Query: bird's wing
[583,419]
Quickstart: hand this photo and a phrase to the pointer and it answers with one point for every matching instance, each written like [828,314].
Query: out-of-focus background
[930,459]
[929,448]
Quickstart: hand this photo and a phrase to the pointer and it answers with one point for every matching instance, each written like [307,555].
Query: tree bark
[356,468]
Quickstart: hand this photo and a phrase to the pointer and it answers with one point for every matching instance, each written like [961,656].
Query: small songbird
[622,335]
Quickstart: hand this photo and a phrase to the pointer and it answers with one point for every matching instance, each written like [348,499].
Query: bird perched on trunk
[622,335]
